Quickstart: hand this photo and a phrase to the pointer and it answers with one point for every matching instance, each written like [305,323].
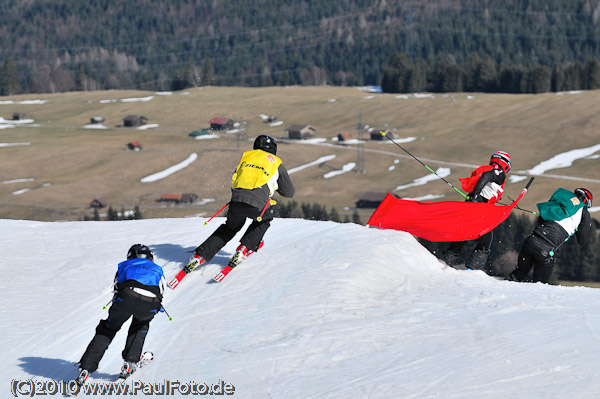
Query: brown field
[72,165]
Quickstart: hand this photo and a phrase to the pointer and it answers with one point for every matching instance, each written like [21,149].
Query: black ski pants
[127,303]
[236,218]
[534,253]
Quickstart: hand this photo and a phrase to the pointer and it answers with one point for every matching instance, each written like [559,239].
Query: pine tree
[589,255]
[334,216]
[558,79]
[592,72]
[208,74]
[182,80]
[319,212]
[80,79]
[137,214]
[513,80]
[356,217]
[396,74]
[307,211]
[572,77]
[112,214]
[448,75]
[539,80]
[10,82]
[487,75]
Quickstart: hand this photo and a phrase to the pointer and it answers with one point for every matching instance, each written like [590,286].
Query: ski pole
[104,307]
[258,219]
[428,168]
[213,216]
[517,206]
[551,253]
[162,309]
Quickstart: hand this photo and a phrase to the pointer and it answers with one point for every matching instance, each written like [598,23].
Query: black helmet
[140,251]
[266,143]
[584,195]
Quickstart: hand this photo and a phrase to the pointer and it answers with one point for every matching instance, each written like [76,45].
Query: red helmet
[584,195]
[502,159]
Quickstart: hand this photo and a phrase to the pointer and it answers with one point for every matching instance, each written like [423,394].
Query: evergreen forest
[403,45]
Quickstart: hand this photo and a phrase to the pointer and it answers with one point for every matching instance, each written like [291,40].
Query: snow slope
[324,310]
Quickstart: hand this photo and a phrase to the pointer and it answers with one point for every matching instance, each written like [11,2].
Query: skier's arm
[115,287]
[584,226]
[495,175]
[285,186]
[161,285]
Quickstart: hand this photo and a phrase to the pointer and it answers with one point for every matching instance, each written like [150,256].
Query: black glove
[475,198]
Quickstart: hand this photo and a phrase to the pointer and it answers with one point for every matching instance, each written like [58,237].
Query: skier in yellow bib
[258,176]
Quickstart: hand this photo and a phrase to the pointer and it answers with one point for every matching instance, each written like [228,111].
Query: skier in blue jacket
[139,287]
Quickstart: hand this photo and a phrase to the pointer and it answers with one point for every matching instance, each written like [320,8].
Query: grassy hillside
[72,165]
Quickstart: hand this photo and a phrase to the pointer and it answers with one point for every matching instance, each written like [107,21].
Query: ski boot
[82,377]
[449,257]
[478,259]
[241,253]
[511,277]
[127,369]
[195,261]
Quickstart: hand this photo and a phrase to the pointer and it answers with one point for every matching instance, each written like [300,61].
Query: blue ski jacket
[140,272]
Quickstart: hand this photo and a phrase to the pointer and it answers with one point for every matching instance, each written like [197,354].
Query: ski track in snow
[317,313]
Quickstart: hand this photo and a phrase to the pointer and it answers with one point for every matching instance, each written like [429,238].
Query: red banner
[440,221]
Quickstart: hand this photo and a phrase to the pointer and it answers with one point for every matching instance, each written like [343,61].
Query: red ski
[194,262]
[221,275]
[241,253]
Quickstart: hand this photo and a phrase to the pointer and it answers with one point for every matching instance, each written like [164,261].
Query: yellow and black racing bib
[256,169]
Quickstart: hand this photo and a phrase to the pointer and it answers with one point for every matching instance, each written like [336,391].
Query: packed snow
[173,169]
[147,126]
[15,122]
[345,169]
[415,95]
[207,136]
[24,180]
[23,102]
[128,100]
[319,161]
[22,191]
[13,144]
[563,160]
[98,126]
[323,310]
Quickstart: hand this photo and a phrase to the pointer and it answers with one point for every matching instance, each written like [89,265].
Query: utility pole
[360,162]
